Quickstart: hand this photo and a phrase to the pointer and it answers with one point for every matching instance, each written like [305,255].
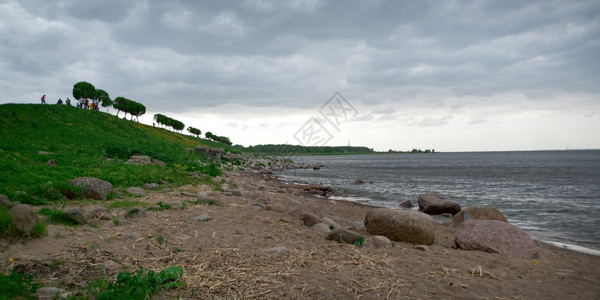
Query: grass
[141,285]
[16,285]
[57,216]
[88,143]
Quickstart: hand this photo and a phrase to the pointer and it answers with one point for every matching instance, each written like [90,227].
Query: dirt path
[244,252]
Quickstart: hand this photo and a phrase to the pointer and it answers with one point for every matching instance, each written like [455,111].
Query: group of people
[81,103]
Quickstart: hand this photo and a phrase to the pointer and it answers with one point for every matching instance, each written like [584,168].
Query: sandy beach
[247,252]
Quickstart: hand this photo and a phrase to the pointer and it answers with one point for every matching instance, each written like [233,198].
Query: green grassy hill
[81,141]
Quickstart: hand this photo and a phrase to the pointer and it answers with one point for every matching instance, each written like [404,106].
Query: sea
[552,195]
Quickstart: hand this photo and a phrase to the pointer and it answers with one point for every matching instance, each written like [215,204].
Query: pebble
[202,218]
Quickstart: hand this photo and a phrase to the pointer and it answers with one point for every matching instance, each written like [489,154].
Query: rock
[495,237]
[136,191]
[278,207]
[435,204]
[285,220]
[136,213]
[359,181]
[51,292]
[381,241]
[132,236]
[123,222]
[316,168]
[209,201]
[236,193]
[202,218]
[24,218]
[258,206]
[100,213]
[44,153]
[345,235]
[401,225]
[151,186]
[139,160]
[310,219]
[111,267]
[406,204]
[330,221]
[52,162]
[302,209]
[76,214]
[477,212]
[92,187]
[174,204]
[421,247]
[4,201]
[321,227]
[276,250]
[159,163]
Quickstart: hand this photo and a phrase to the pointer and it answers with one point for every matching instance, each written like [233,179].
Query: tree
[194,131]
[84,89]
[120,105]
[102,96]
[168,122]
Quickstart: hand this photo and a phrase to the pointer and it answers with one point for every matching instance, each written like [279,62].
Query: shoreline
[251,248]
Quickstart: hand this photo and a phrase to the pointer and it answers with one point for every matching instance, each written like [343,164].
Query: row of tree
[87,90]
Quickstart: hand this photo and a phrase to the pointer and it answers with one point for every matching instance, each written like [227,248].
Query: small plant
[160,239]
[176,250]
[360,242]
[331,227]
[141,285]
[15,285]
[237,232]
[95,246]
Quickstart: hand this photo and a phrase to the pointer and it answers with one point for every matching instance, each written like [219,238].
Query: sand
[244,252]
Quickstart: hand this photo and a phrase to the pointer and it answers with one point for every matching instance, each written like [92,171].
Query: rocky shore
[260,238]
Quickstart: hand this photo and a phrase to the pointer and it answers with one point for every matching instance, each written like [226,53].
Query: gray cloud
[180,56]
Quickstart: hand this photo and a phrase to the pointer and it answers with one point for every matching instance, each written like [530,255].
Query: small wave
[581,249]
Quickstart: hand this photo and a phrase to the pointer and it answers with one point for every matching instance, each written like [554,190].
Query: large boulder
[93,187]
[437,204]
[24,218]
[495,237]
[305,208]
[76,214]
[401,225]
[477,212]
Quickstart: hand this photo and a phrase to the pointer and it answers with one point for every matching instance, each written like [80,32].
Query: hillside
[81,141]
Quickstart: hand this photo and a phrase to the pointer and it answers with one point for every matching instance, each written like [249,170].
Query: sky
[400,75]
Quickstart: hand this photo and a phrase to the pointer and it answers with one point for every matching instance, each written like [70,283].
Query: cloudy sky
[448,75]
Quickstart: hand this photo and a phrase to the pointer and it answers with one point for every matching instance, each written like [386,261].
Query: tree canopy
[169,122]
[135,109]
[194,131]
[84,89]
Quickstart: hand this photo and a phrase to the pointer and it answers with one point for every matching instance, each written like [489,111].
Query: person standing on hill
[43,99]
[60,102]
[68,101]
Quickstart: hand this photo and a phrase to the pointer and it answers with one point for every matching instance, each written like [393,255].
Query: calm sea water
[553,195]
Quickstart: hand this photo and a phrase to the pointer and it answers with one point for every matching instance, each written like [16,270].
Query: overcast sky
[447,75]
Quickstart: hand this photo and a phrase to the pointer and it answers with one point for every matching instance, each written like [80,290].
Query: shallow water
[553,195]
